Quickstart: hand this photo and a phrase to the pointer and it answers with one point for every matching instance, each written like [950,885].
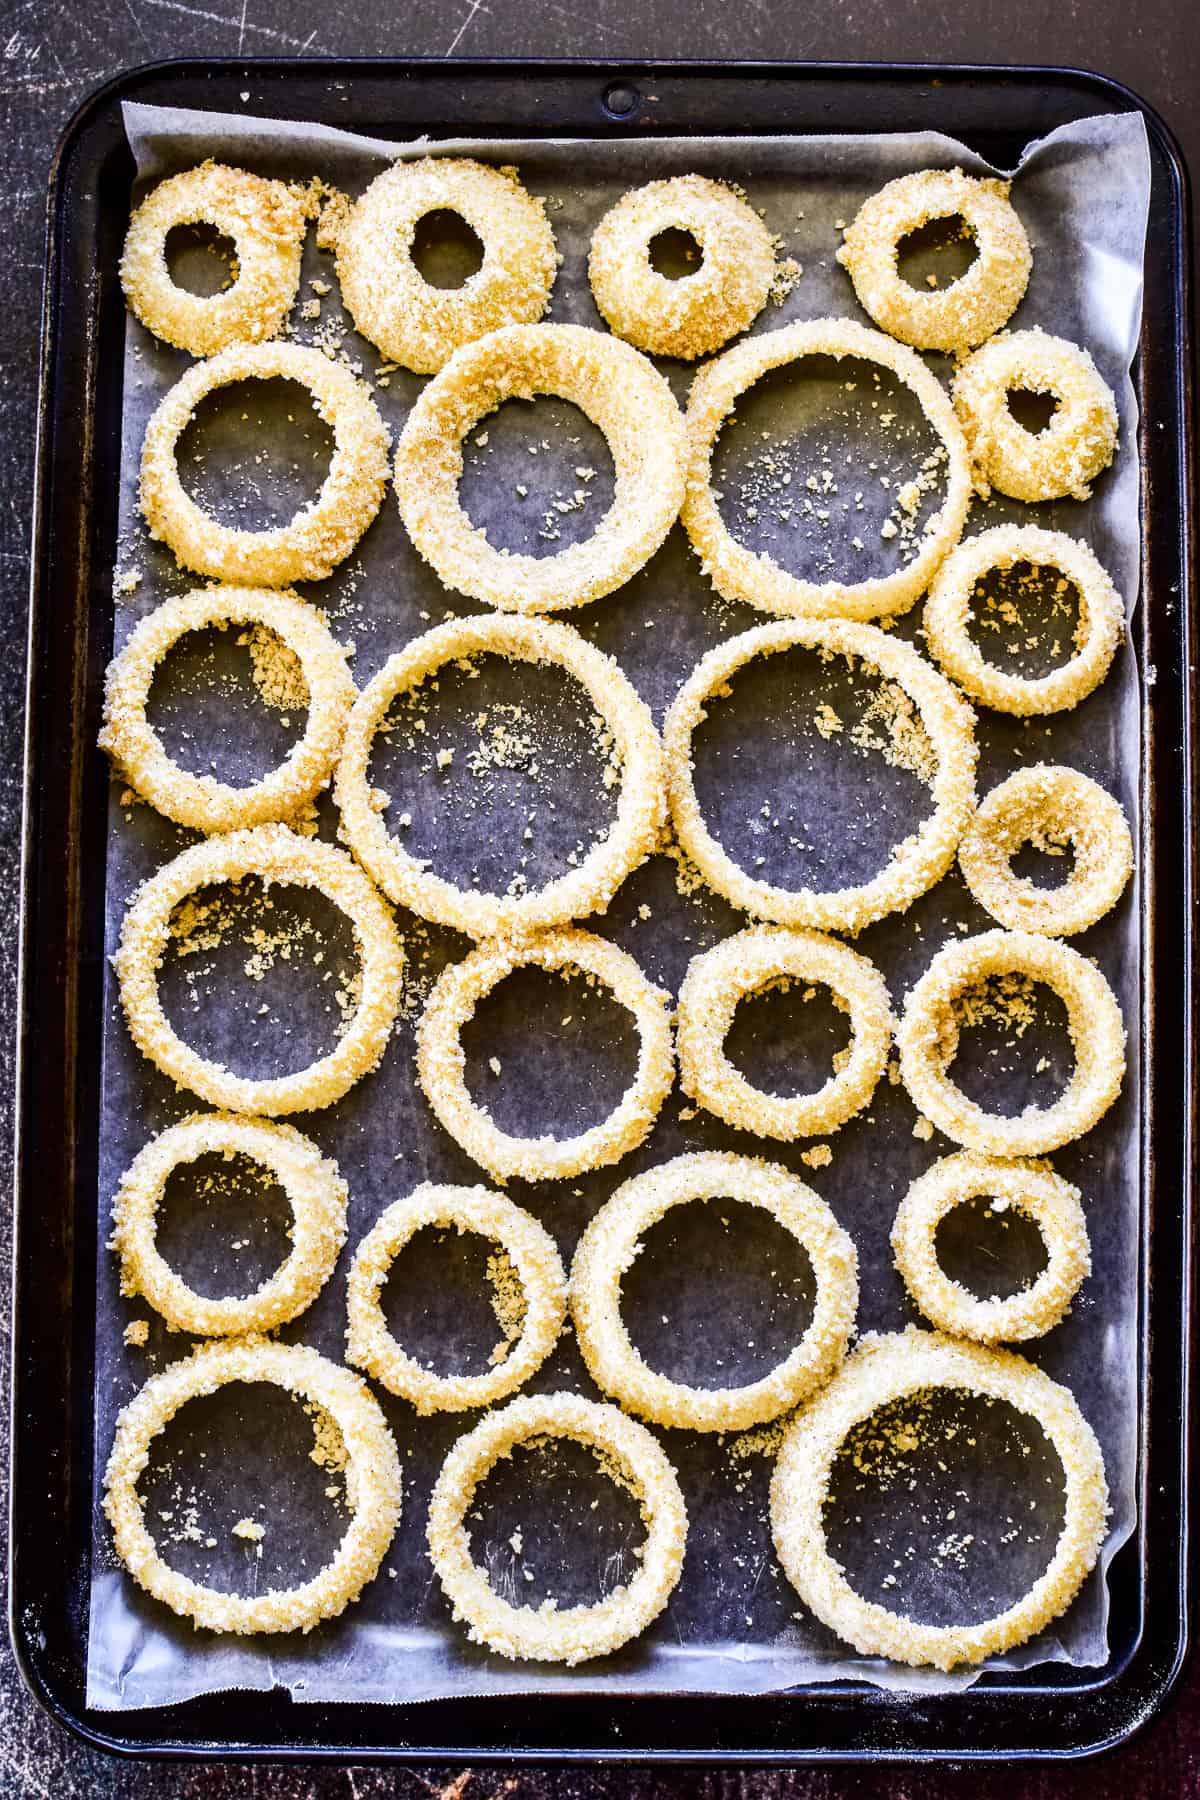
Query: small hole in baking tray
[1024,619]
[440,1301]
[1031,409]
[228,703]
[200,259]
[945,1508]
[620,99]
[445,249]
[784,1038]
[988,1251]
[719,1295]
[224,1225]
[255,453]
[937,254]
[1014,1048]
[675,254]
[537,476]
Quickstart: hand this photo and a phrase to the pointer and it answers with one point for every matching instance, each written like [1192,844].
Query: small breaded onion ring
[720,979]
[441,1062]
[202,801]
[953,318]
[315,1192]
[372,1484]
[586,888]
[916,864]
[1038,804]
[312,544]
[275,854]
[548,1633]
[749,575]
[701,311]
[612,1242]
[1034,1189]
[1079,442]
[900,1366]
[414,323]
[265,220]
[534,1258]
[948,614]
[927,1039]
[621,393]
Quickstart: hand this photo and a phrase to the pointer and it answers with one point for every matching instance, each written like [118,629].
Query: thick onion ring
[316,1194]
[895,1367]
[612,1241]
[1046,801]
[948,613]
[1034,1189]
[621,393]
[588,887]
[534,1257]
[275,854]
[1077,445]
[695,315]
[414,323]
[312,544]
[953,318]
[927,1038]
[551,1634]
[748,575]
[916,864]
[720,979]
[201,801]
[441,1062]
[372,1486]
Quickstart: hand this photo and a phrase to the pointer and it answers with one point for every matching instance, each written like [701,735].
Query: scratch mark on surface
[477,6]
[215,18]
[242,26]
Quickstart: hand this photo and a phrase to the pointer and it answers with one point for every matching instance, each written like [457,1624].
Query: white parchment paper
[966,1541]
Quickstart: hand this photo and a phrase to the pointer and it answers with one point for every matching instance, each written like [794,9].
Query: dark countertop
[50,56]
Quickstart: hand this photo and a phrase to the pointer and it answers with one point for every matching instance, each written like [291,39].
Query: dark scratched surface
[51,55]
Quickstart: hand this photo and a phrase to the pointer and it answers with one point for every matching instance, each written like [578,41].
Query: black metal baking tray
[1052,1711]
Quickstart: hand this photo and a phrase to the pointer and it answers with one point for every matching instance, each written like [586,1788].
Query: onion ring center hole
[1026,620]
[1032,410]
[675,253]
[945,1507]
[1048,863]
[453,1302]
[245,1453]
[200,259]
[548,1522]
[1014,1047]
[500,770]
[549,1054]
[943,249]
[785,1037]
[844,774]
[829,467]
[993,1251]
[551,450]
[719,1294]
[445,250]
[262,981]
[224,1224]
[255,453]
[228,702]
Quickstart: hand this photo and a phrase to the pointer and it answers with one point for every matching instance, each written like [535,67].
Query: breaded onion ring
[414,323]
[948,615]
[901,1366]
[621,393]
[749,575]
[1034,1189]
[275,854]
[979,302]
[266,221]
[372,1484]
[586,888]
[201,801]
[611,1243]
[535,1262]
[696,314]
[441,1062]
[549,1633]
[1079,442]
[315,1192]
[916,864]
[312,544]
[1041,804]
[927,1039]
[719,980]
